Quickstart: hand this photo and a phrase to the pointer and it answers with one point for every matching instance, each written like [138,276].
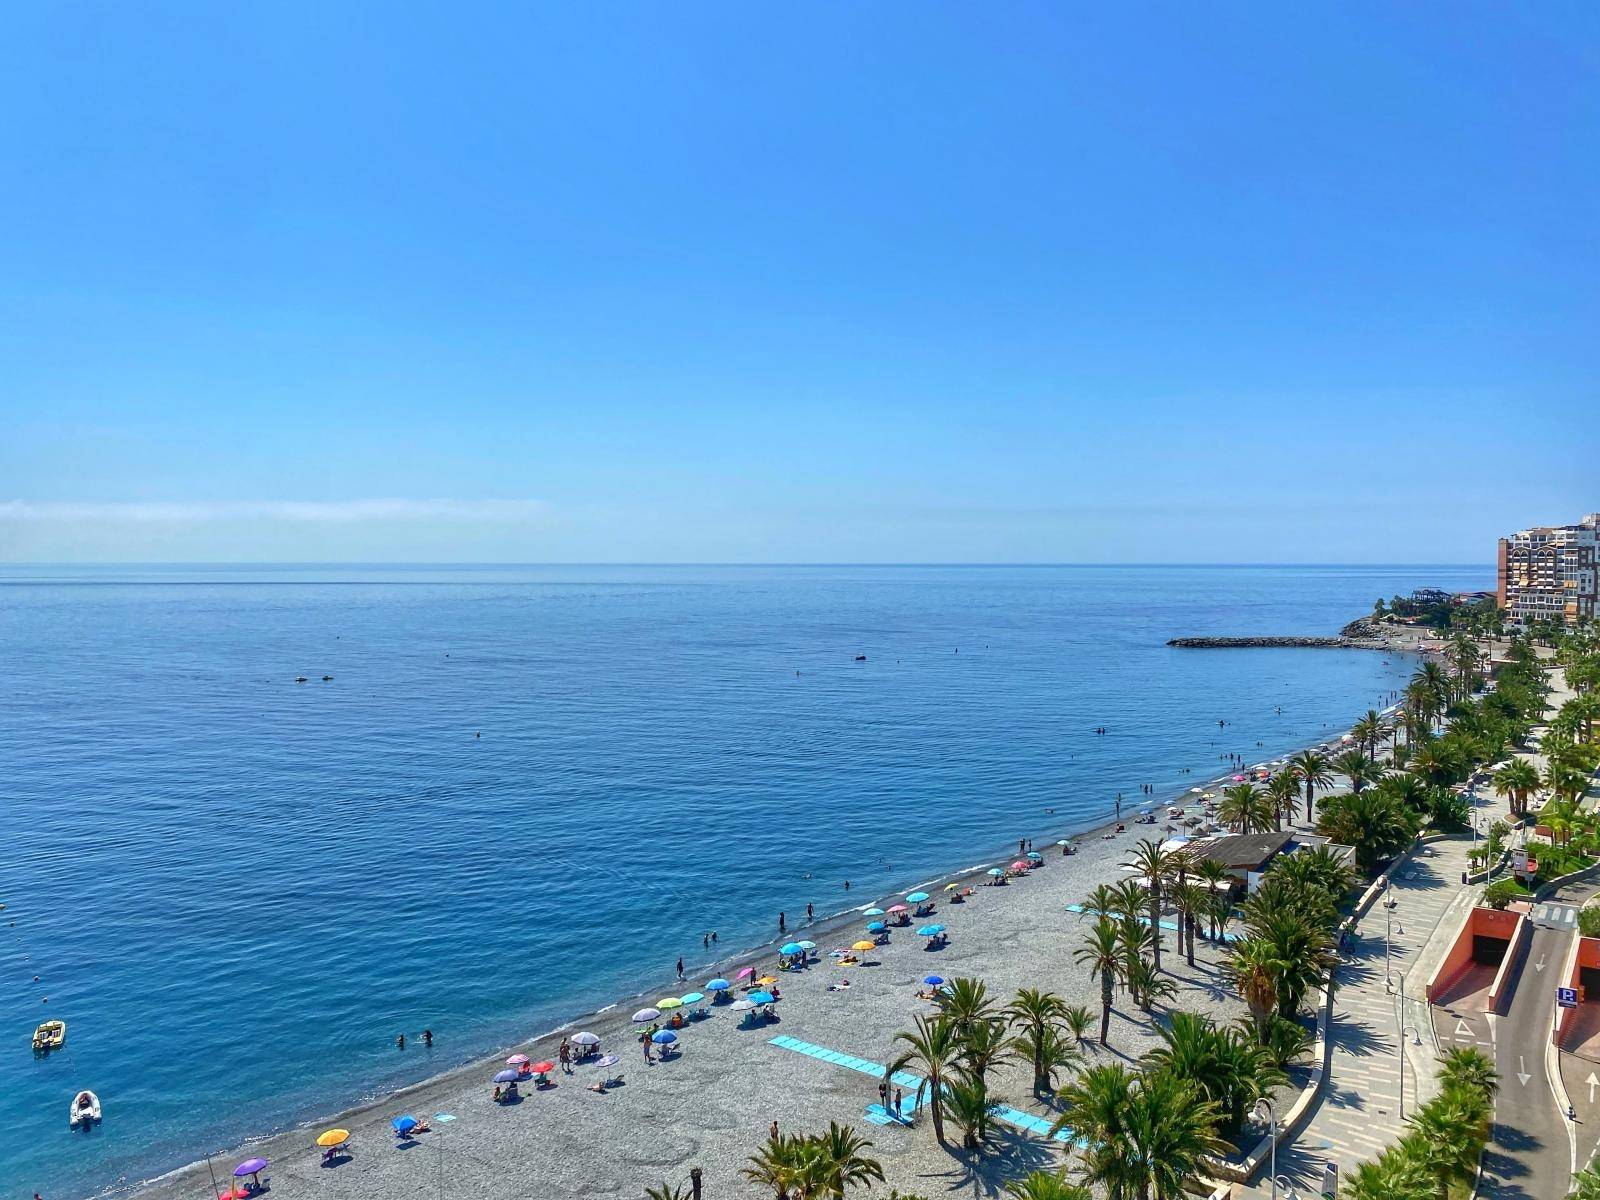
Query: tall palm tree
[1213,874]
[1518,779]
[843,1165]
[1101,952]
[984,1046]
[971,1108]
[1448,1133]
[1374,824]
[1092,1104]
[1470,1068]
[966,1002]
[1033,1012]
[934,1048]
[1311,768]
[1102,901]
[1283,791]
[1154,862]
[1050,1048]
[779,1164]
[1255,969]
[1367,731]
[1146,985]
[1244,808]
[1357,768]
[1397,1174]
[1146,1133]
[1233,1071]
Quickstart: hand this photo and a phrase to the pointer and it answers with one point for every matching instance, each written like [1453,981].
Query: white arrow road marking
[1522,1071]
[1539,966]
[1593,1083]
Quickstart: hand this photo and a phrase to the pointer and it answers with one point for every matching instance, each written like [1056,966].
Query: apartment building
[1551,572]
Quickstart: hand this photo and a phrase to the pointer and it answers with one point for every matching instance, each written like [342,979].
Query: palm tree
[1092,1104]
[1283,791]
[843,1163]
[971,1109]
[1102,901]
[1042,1185]
[1367,731]
[1128,899]
[984,1045]
[1311,768]
[1448,1133]
[1133,936]
[1518,779]
[1033,1012]
[1469,1068]
[934,1047]
[1397,1175]
[1302,946]
[667,1192]
[1244,808]
[1256,970]
[1154,862]
[1374,824]
[1077,1018]
[1214,875]
[1232,1071]
[1586,1184]
[1102,954]
[1357,768]
[1050,1048]
[1146,985]
[1146,1133]
[1192,900]
[966,1002]
[779,1165]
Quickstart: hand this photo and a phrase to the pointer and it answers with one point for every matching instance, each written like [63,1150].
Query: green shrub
[1589,922]
[1502,892]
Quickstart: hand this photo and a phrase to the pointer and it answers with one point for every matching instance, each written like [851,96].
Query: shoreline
[612,1020]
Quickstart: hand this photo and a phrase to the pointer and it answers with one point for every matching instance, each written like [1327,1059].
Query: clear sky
[823,282]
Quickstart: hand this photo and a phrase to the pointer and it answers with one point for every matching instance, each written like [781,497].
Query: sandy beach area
[710,1105]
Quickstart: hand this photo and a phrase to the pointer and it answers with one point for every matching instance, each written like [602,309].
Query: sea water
[526,791]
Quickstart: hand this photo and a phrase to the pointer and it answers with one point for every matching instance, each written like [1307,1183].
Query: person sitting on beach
[598,1087]
[839,985]
[497,1093]
[422,1126]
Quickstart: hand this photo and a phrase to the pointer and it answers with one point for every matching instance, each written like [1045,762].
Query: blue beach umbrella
[663,1037]
[872,912]
[761,998]
[791,948]
[916,897]
[692,998]
[1035,855]
[805,945]
[996,871]
[930,931]
[933,980]
[718,985]
[875,927]
[404,1125]
[505,1077]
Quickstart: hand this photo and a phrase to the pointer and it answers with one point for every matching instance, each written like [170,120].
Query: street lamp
[1272,1169]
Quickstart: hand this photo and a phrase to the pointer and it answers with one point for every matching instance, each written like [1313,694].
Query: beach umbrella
[1063,842]
[1196,791]
[669,1002]
[762,998]
[996,871]
[1034,854]
[718,985]
[517,1060]
[897,908]
[402,1126]
[875,927]
[952,887]
[874,911]
[585,1039]
[250,1166]
[744,972]
[742,1005]
[791,948]
[917,897]
[505,1077]
[693,998]
[543,1068]
[767,980]
[864,945]
[930,931]
[607,1060]
[645,1015]
[933,980]
[663,1037]
[1019,865]
[805,945]
[333,1137]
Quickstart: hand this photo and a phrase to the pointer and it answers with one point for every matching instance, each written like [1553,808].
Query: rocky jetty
[1221,643]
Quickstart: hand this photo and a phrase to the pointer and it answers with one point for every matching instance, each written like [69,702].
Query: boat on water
[49,1036]
[85,1112]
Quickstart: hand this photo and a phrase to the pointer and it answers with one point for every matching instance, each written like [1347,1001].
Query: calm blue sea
[238,889]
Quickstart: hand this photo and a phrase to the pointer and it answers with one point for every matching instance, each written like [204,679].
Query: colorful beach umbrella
[607,1060]
[952,887]
[669,1002]
[767,980]
[250,1166]
[505,1077]
[543,1068]
[916,897]
[402,1126]
[864,945]
[1063,842]
[663,1037]
[645,1015]
[897,908]
[996,871]
[874,911]
[693,998]
[585,1039]
[875,927]
[930,931]
[744,972]
[742,1005]
[718,985]
[333,1137]
[762,998]
[1034,854]
[933,980]
[1019,865]
[517,1060]
[791,948]
[805,945]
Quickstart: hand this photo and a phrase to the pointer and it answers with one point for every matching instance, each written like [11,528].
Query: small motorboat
[49,1036]
[85,1111]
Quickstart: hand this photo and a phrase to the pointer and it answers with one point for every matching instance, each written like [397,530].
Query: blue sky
[835,282]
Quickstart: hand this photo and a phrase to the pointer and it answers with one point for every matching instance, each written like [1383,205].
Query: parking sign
[1567,997]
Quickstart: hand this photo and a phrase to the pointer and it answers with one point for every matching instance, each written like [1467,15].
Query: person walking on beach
[899,1099]
[650,1061]
[883,1094]
[566,1057]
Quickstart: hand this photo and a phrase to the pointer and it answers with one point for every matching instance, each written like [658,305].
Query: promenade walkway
[1360,1110]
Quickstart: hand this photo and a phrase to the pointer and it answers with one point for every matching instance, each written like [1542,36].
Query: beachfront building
[1246,856]
[1550,573]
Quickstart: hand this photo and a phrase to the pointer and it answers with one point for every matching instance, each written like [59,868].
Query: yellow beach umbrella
[864,945]
[334,1137]
[767,980]
[950,887]
[669,1002]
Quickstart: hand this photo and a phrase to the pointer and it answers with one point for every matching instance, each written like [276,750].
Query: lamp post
[1272,1168]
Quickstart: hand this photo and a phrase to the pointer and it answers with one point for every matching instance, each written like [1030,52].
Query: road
[1530,1156]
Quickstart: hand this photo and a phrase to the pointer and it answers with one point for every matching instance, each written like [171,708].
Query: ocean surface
[526,791]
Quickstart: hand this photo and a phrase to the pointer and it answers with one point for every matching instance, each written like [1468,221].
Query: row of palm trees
[1445,1138]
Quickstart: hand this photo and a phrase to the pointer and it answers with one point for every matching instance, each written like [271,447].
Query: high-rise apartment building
[1551,572]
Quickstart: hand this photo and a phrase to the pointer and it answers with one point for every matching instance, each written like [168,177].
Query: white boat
[85,1110]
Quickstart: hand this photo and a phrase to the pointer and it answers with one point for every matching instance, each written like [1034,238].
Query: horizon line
[239,563]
